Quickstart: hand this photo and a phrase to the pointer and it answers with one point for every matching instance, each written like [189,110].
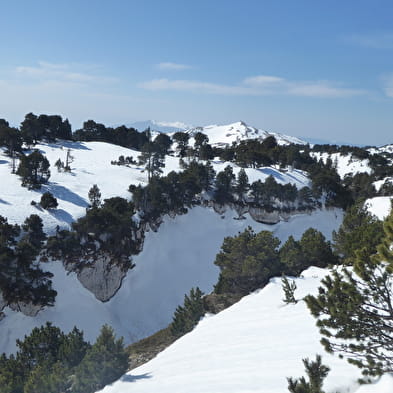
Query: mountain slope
[248,348]
[165,270]
[221,135]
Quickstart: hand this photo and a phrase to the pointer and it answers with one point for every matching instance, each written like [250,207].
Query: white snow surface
[92,165]
[221,135]
[379,206]
[251,347]
[345,164]
[176,258]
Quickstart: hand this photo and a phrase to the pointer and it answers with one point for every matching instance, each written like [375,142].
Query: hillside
[250,347]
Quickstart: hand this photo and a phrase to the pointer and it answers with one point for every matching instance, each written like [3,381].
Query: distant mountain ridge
[219,135]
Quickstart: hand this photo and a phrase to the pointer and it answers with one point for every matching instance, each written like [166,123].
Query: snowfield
[92,165]
[250,347]
[176,258]
[222,135]
[345,164]
[379,206]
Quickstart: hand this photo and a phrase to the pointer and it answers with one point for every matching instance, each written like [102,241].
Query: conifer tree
[94,196]
[242,185]
[104,363]
[289,288]
[354,309]
[316,373]
[187,316]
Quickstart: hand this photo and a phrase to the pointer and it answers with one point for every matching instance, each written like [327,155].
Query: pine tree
[104,363]
[289,288]
[34,170]
[242,185]
[354,309]
[316,373]
[187,316]
[292,257]
[94,196]
[48,201]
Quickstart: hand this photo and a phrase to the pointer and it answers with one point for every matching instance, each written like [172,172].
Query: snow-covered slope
[250,347]
[176,258]
[345,164]
[379,206]
[92,165]
[221,135]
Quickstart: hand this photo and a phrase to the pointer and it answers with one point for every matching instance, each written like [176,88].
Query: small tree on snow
[316,372]
[289,288]
[94,196]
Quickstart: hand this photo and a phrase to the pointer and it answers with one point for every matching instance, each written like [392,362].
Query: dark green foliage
[225,183]
[94,196]
[293,258]
[317,251]
[49,361]
[316,373]
[162,143]
[289,288]
[10,138]
[48,201]
[34,233]
[359,229]
[122,136]
[33,169]
[21,279]
[35,128]
[187,316]
[181,138]
[354,309]
[104,363]
[111,226]
[242,185]
[247,262]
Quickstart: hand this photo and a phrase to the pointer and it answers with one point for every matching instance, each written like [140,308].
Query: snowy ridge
[222,135]
[250,347]
[92,165]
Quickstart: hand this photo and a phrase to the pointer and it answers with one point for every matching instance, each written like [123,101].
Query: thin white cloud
[388,85]
[373,40]
[63,73]
[169,66]
[256,86]
[262,80]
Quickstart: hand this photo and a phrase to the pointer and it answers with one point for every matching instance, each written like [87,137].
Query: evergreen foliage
[354,308]
[316,373]
[48,201]
[105,362]
[21,279]
[34,170]
[50,361]
[359,229]
[247,261]
[187,316]
[289,288]
[94,196]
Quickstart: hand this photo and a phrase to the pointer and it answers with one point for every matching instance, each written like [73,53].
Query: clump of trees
[49,360]
[33,170]
[249,260]
[106,228]
[48,201]
[21,278]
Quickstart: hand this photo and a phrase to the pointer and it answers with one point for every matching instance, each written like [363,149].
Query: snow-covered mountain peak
[222,135]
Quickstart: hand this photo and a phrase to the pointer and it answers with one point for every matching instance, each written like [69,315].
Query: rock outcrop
[102,277]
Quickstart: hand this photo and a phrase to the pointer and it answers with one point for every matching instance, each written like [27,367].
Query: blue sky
[316,69]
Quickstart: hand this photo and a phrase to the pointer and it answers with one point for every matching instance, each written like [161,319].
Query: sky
[308,68]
